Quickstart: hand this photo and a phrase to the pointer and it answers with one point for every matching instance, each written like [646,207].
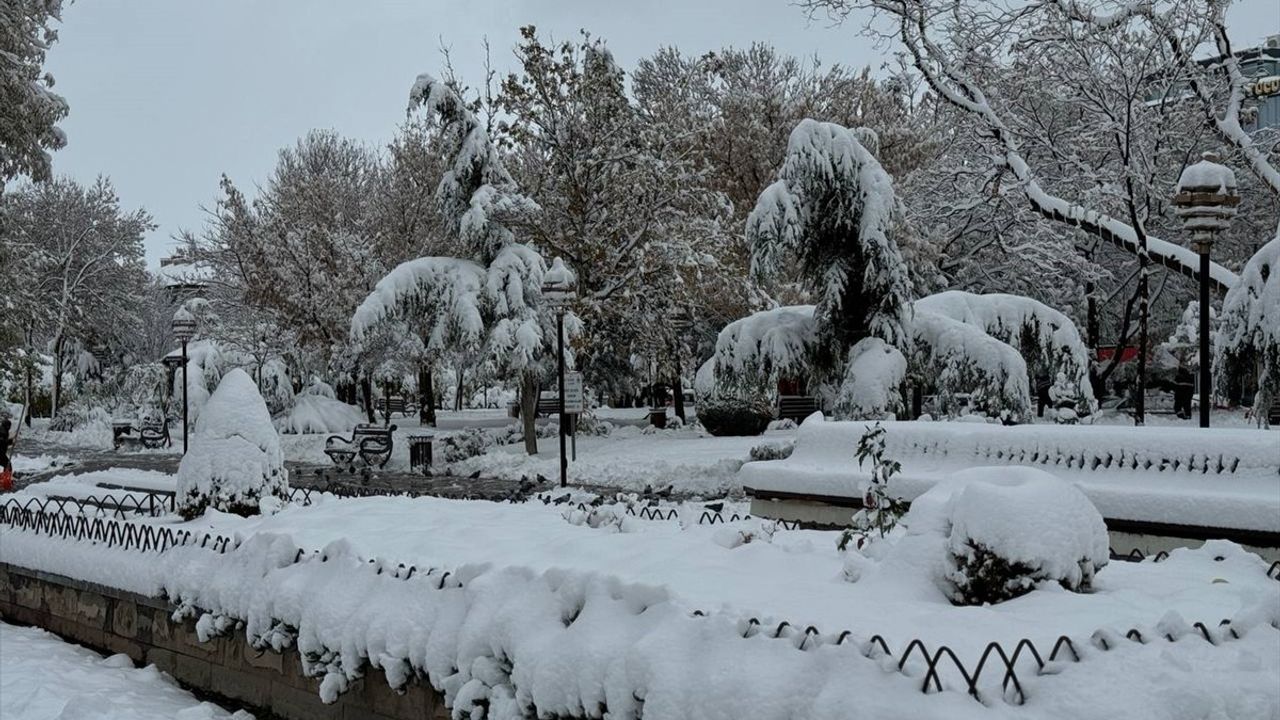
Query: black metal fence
[940,667]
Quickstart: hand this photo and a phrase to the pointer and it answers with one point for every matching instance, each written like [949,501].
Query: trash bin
[658,417]
[420,452]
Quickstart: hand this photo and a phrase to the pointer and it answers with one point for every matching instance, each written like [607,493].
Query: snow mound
[313,413]
[235,457]
[872,380]
[1010,528]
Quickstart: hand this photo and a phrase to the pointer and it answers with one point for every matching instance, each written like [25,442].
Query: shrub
[1012,528]
[772,451]
[724,416]
[235,460]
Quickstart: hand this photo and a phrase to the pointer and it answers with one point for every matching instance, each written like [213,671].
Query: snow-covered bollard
[1008,529]
[235,461]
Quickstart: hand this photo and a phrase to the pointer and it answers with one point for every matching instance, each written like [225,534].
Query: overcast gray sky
[168,94]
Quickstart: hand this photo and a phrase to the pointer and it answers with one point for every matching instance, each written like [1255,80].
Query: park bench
[548,405]
[797,407]
[148,434]
[395,404]
[372,443]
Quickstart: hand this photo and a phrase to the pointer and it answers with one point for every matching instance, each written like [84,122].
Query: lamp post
[558,291]
[1205,200]
[184,328]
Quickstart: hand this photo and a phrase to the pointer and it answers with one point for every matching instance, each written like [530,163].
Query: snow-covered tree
[832,215]
[80,259]
[1248,337]
[964,364]
[1046,338]
[235,461]
[491,298]
[753,353]
[624,200]
[29,109]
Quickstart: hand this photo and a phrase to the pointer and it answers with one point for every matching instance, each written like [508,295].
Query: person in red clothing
[6,465]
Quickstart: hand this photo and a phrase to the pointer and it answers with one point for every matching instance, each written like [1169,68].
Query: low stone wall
[270,684]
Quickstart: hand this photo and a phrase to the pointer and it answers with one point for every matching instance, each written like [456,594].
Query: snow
[235,455]
[43,677]
[184,274]
[766,345]
[1156,474]
[25,465]
[962,359]
[873,376]
[563,615]
[1006,317]
[630,459]
[1207,176]
[1250,327]
[318,414]
[1021,514]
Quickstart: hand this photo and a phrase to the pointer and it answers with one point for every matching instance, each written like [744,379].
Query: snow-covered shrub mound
[872,382]
[318,414]
[1008,529]
[723,415]
[235,459]
[772,450]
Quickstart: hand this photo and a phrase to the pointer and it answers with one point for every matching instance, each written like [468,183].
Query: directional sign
[573,401]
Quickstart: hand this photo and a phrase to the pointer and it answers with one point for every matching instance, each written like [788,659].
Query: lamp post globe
[558,284]
[1205,200]
[184,328]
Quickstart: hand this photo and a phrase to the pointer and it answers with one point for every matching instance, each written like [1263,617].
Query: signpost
[573,403]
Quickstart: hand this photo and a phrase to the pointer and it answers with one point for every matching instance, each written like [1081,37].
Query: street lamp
[1205,200]
[558,291]
[184,328]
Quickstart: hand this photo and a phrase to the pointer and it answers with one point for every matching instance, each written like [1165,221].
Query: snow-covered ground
[589,613]
[630,459]
[30,465]
[43,677]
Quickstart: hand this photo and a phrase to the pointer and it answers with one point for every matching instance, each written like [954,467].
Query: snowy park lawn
[43,677]
[691,461]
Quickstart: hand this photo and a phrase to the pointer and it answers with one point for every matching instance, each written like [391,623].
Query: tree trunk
[529,406]
[1092,332]
[457,396]
[679,392]
[366,388]
[30,392]
[427,395]
[57,377]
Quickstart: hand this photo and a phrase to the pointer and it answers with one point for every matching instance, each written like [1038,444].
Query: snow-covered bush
[313,411]
[1047,339]
[773,450]
[872,386]
[1063,394]
[1003,530]
[962,360]
[235,461]
[752,353]
[1249,335]
[466,444]
[724,415]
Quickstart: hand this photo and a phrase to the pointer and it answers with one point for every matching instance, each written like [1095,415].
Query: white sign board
[573,401]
